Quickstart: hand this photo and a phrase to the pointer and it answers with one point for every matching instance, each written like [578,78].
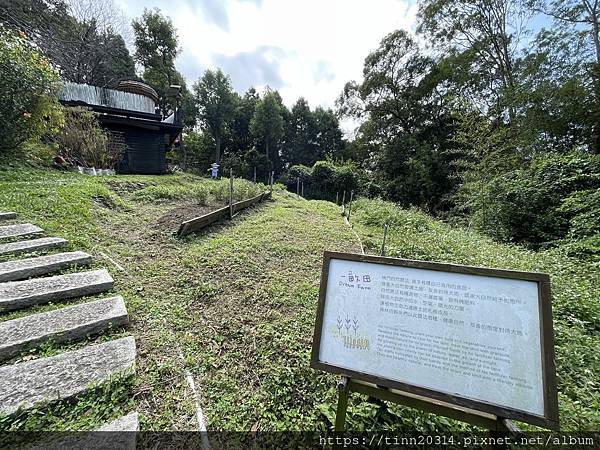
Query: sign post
[470,343]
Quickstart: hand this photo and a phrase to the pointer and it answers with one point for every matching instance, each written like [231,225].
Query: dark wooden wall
[145,150]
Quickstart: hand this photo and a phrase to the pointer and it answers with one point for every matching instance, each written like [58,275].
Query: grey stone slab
[6,215]
[120,434]
[21,269]
[61,325]
[63,376]
[33,245]
[130,422]
[21,294]
[23,229]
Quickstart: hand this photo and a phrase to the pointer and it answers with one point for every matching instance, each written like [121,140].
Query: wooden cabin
[131,111]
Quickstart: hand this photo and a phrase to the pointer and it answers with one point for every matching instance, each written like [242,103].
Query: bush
[28,107]
[290,178]
[583,210]
[83,142]
[324,180]
[553,197]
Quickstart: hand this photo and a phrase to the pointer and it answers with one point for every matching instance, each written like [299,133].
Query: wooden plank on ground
[198,223]
[247,203]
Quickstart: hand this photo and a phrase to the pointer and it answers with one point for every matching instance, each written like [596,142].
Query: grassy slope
[238,301]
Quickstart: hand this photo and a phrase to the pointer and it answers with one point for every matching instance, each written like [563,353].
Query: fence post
[254,179]
[298,186]
[385,230]
[337,198]
[350,204]
[272,181]
[231,193]
[303,189]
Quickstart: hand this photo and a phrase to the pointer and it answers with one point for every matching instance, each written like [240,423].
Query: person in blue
[214,170]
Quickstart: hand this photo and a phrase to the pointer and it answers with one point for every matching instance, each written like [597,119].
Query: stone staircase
[28,281]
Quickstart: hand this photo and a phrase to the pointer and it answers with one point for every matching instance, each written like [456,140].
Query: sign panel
[480,338]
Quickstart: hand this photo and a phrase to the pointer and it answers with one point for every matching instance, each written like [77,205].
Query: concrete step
[61,325]
[6,215]
[130,422]
[34,245]
[30,383]
[113,435]
[23,229]
[22,269]
[21,294]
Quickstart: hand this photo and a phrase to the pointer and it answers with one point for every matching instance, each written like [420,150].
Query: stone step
[61,325]
[6,215]
[119,434]
[130,422]
[23,229]
[21,294]
[34,245]
[22,269]
[30,383]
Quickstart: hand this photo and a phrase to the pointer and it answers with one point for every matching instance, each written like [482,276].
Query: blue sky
[307,48]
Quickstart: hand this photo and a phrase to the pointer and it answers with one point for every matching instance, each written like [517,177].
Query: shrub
[290,178]
[83,142]
[324,180]
[28,107]
[552,197]
[237,164]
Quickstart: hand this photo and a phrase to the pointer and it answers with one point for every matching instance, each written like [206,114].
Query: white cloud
[316,45]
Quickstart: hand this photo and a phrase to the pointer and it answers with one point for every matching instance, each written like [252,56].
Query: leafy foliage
[541,202]
[82,39]
[27,106]
[325,180]
[267,122]
[83,142]
[216,103]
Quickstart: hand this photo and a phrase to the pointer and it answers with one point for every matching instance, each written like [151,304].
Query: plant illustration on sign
[347,325]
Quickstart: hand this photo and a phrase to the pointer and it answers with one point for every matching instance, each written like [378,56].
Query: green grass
[237,301]
[78,207]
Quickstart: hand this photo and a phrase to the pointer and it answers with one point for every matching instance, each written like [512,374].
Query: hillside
[235,304]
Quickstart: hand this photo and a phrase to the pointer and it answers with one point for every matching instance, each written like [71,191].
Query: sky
[308,48]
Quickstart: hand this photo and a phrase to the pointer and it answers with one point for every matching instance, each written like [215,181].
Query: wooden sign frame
[550,418]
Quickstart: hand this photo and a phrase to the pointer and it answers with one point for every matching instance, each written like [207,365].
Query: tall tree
[157,47]
[488,34]
[407,123]
[239,138]
[584,14]
[329,135]
[82,38]
[215,101]
[301,146]
[574,19]
[267,122]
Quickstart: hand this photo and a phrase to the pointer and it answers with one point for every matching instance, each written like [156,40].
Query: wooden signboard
[466,337]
